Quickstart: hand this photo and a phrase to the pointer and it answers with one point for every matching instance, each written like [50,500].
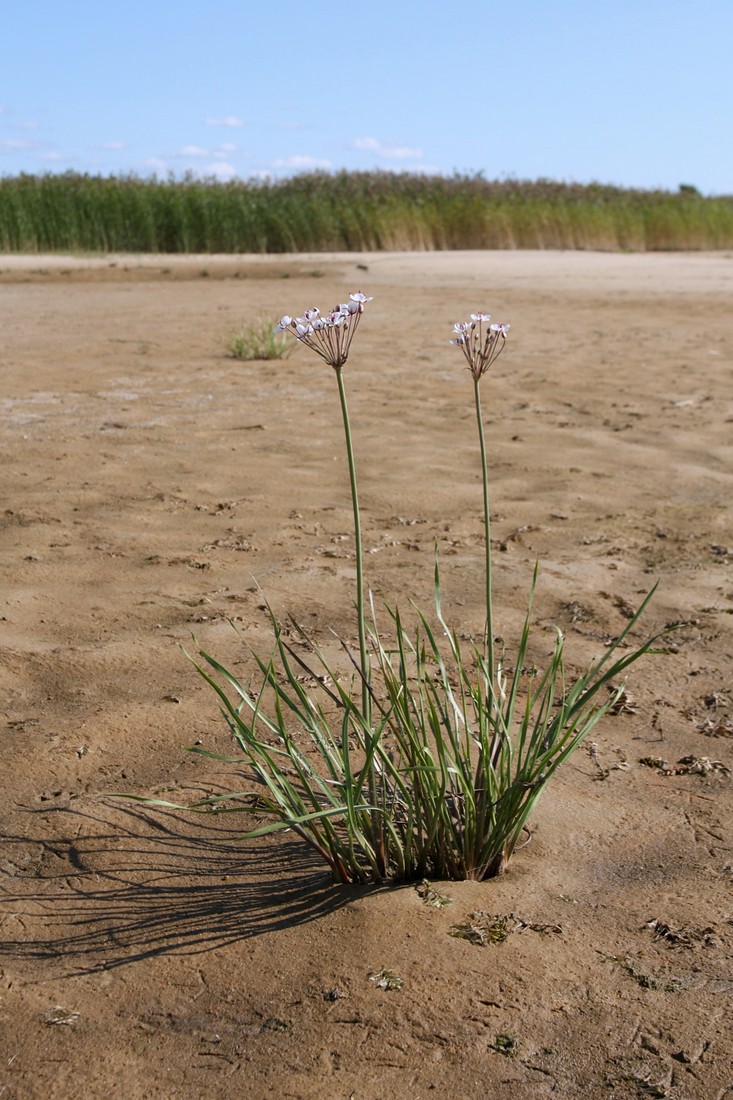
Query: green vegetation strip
[350,211]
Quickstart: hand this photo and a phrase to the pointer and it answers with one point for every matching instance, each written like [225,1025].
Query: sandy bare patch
[153,488]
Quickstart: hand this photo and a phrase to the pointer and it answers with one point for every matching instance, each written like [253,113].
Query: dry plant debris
[721,727]
[387,979]
[577,613]
[621,603]
[508,1045]
[334,994]
[603,771]
[643,979]
[647,1087]
[537,926]
[681,937]
[625,703]
[431,897]
[715,700]
[58,1015]
[276,1023]
[481,928]
[686,765]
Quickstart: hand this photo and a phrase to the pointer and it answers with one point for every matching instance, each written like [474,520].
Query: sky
[636,93]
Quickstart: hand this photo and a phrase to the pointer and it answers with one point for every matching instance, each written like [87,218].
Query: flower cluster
[480,341]
[329,334]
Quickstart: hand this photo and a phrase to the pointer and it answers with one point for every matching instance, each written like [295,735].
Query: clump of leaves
[257,340]
[508,1045]
[431,897]
[482,929]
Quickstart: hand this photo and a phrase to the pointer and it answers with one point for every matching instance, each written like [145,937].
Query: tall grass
[350,211]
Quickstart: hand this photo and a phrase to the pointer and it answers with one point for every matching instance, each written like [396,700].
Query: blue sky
[631,92]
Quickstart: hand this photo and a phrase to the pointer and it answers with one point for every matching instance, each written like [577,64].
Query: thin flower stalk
[481,343]
[366,699]
[487,535]
[330,335]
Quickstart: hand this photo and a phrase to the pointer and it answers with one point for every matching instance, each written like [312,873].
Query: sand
[154,489]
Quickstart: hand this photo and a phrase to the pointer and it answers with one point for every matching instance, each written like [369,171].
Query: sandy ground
[154,488]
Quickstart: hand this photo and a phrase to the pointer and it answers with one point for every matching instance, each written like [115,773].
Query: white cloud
[14,123]
[301,163]
[385,149]
[193,151]
[17,145]
[230,120]
[367,143]
[218,166]
[220,170]
[113,145]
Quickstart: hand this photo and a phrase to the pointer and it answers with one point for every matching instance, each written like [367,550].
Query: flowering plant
[430,760]
[329,336]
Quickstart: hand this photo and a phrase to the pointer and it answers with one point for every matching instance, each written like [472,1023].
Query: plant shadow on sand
[143,885]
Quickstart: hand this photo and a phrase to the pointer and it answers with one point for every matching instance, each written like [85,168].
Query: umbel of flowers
[428,759]
[329,334]
[480,341]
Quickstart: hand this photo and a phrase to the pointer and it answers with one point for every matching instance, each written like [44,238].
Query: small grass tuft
[257,340]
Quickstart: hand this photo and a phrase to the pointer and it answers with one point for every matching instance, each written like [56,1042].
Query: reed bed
[350,211]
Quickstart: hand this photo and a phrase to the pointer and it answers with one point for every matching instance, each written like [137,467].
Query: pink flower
[360,300]
[480,342]
[329,336]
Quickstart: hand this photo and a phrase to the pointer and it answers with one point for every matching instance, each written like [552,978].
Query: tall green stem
[487,529]
[366,701]
[366,698]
